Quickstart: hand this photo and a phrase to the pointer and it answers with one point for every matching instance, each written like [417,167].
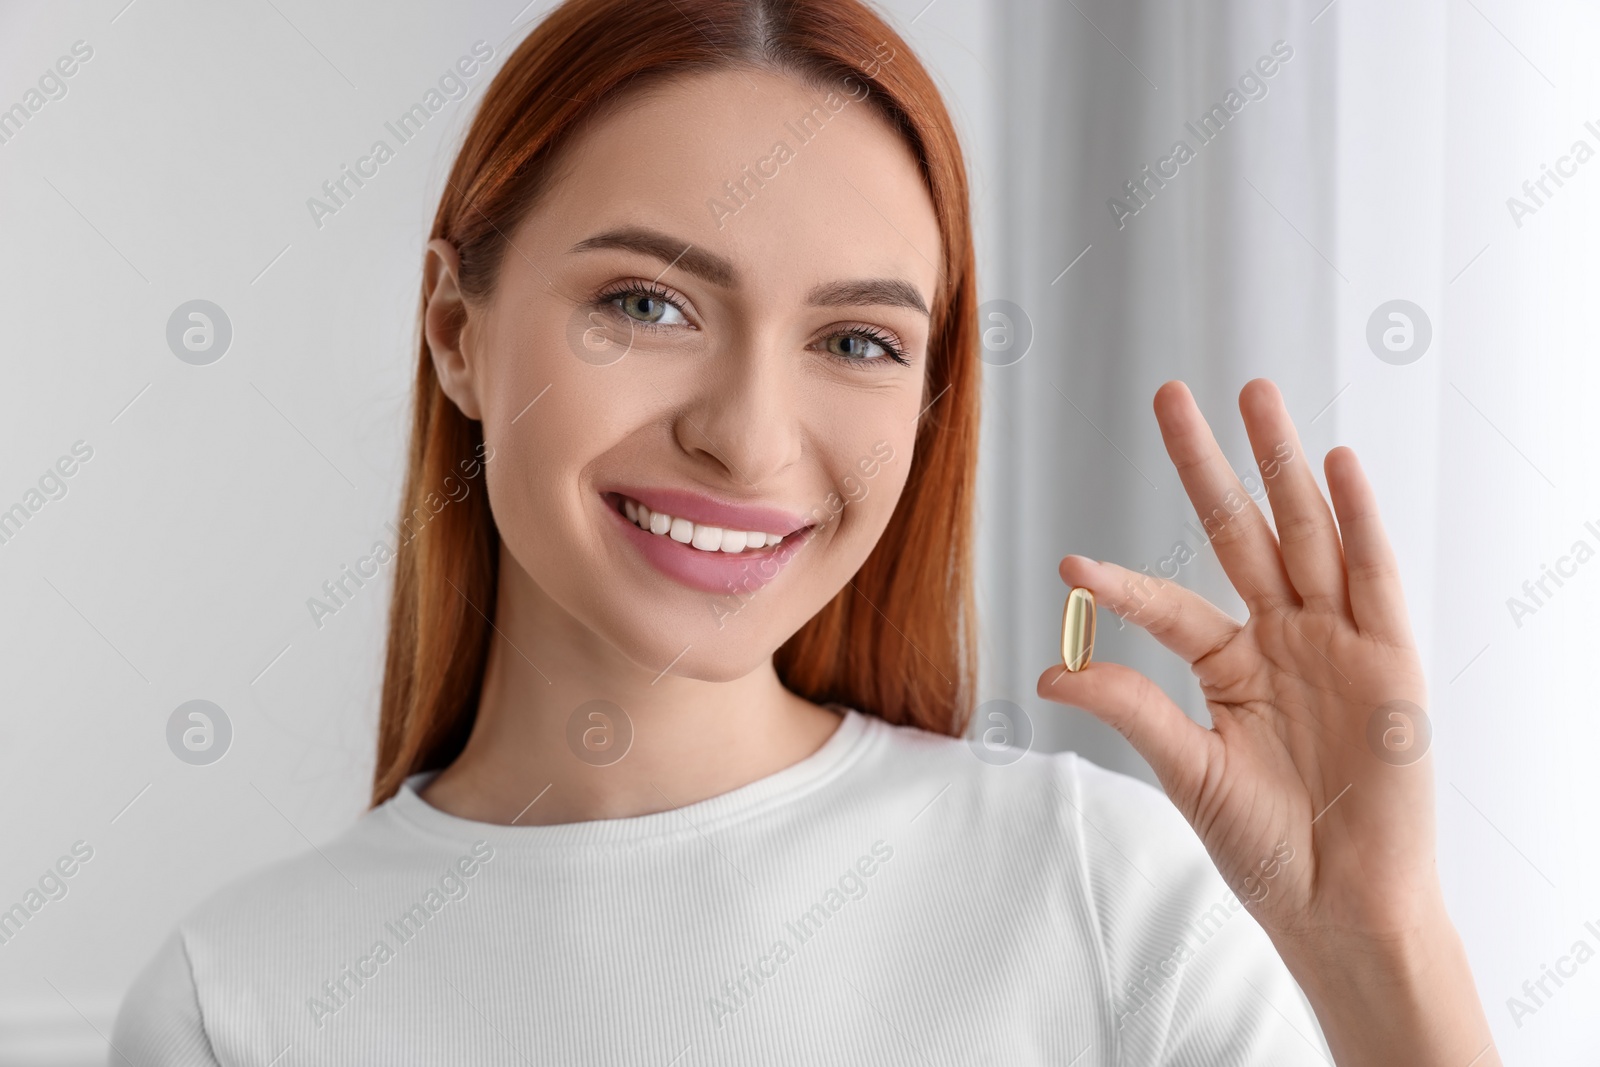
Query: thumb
[1176,747]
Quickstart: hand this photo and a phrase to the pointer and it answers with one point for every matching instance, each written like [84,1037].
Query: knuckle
[1294,528]
[1369,570]
[1230,530]
[1166,619]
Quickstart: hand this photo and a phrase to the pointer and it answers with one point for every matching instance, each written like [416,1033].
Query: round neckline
[786,784]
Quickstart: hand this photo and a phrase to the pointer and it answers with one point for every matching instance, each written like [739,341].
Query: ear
[448,326]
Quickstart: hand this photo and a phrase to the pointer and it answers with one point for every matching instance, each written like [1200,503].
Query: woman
[682,645]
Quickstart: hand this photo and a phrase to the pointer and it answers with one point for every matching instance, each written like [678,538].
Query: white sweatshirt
[890,899]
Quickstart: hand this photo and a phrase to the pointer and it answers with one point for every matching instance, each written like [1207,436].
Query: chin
[705,654]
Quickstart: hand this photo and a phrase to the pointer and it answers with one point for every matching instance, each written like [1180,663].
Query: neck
[559,703]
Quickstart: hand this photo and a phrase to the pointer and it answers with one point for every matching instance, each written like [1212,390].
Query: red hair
[898,641]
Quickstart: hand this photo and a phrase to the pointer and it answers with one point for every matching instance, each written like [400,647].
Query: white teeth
[705,538]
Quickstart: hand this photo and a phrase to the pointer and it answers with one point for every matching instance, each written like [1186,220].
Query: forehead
[793,186]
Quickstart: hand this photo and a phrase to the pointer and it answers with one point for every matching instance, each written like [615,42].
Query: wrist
[1407,997]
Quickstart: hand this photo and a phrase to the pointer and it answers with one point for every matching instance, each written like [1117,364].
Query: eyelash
[891,347]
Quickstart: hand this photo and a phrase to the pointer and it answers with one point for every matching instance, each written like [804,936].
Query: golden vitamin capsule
[1077,629]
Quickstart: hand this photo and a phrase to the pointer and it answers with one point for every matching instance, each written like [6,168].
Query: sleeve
[159,1023]
[1192,978]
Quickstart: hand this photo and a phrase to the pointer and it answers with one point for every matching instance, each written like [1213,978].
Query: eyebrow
[891,292]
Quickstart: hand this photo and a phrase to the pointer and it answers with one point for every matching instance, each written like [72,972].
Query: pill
[1077,629]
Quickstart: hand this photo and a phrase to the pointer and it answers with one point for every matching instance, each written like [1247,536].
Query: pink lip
[709,511]
[724,573]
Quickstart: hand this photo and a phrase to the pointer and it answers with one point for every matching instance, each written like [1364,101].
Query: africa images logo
[453,885]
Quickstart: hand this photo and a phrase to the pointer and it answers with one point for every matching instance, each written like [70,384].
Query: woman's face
[702,316]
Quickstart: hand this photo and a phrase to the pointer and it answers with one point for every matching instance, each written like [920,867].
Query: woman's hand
[1313,790]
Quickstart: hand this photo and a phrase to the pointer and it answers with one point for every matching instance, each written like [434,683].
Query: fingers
[1307,536]
[1245,544]
[1377,600]
[1177,748]
[1179,618]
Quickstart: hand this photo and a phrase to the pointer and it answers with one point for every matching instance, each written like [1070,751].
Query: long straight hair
[899,640]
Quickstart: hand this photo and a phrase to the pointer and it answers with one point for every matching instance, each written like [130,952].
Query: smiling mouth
[711,540]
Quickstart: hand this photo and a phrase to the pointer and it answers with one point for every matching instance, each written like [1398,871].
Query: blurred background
[1389,209]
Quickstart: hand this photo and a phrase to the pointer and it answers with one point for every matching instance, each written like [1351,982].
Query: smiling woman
[683,412]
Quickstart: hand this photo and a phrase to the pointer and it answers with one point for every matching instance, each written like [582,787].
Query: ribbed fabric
[890,899]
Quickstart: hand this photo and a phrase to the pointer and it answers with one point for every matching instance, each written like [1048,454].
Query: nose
[742,413]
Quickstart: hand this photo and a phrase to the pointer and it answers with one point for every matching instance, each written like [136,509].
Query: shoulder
[1033,792]
[160,1021]
[1186,972]
[164,1017]
[251,933]
[298,890]
[1108,848]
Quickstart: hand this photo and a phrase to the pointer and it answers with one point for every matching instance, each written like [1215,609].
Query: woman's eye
[649,308]
[859,348]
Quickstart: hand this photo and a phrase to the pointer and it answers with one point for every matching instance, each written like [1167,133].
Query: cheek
[530,376]
[518,490]
[870,482]
[548,412]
